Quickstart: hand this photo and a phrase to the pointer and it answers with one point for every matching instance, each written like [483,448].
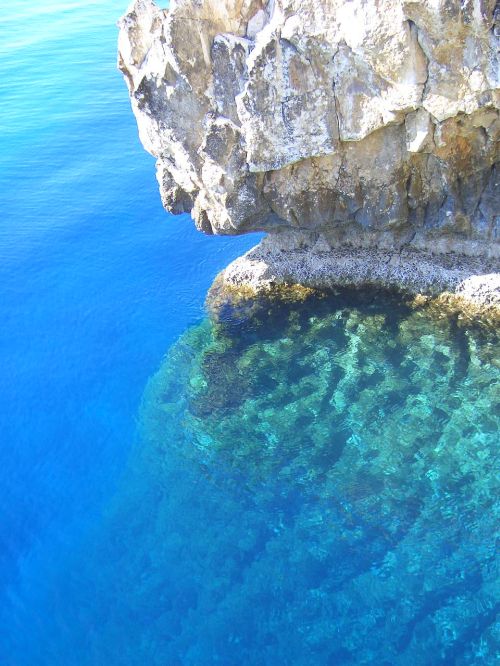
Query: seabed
[343,506]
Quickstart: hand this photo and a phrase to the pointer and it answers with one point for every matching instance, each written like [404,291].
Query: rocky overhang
[362,136]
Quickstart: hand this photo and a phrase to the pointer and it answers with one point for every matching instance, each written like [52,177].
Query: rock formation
[330,472]
[362,135]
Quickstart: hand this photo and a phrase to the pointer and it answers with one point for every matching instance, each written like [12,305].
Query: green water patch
[349,445]
[315,483]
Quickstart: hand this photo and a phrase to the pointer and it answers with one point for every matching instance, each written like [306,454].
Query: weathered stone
[371,125]
[419,132]
[229,58]
[256,23]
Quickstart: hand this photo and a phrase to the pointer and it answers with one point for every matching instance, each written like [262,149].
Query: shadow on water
[314,485]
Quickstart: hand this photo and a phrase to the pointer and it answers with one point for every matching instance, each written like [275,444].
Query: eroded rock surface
[355,124]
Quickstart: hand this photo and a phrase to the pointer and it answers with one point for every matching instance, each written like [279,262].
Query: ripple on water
[318,487]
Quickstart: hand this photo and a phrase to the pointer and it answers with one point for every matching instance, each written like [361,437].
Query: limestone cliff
[362,134]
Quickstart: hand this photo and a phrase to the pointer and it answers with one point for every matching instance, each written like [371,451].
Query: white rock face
[370,123]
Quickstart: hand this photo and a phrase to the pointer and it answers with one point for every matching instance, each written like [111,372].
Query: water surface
[314,485]
[96,281]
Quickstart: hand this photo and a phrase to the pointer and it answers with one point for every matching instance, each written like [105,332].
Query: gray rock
[368,124]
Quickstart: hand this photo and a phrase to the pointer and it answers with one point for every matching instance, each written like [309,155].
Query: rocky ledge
[362,136]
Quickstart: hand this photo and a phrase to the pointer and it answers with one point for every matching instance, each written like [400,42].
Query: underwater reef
[362,136]
[317,481]
[330,489]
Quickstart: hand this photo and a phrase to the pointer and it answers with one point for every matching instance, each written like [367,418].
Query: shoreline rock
[361,136]
[287,259]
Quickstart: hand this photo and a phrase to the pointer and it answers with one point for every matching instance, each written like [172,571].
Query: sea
[310,483]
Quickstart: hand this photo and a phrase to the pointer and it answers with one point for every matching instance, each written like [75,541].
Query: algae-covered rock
[341,454]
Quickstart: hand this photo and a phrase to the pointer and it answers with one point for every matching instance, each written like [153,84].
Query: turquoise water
[335,468]
[316,484]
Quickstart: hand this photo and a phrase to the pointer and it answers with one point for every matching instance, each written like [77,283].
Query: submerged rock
[342,505]
[341,128]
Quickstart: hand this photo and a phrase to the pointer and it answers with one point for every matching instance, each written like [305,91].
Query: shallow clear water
[326,477]
[315,485]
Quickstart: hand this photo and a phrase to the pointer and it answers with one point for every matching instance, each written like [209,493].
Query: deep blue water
[317,484]
[96,282]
